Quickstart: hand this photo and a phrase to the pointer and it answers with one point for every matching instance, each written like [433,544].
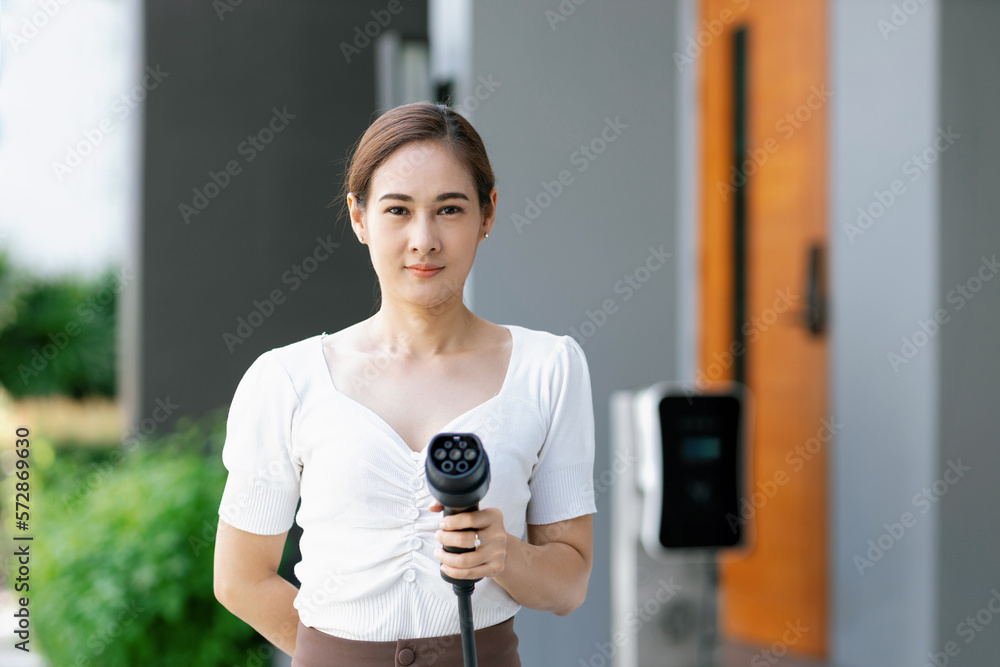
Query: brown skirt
[496,646]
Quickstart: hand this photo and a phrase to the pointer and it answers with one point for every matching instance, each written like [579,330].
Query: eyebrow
[440,197]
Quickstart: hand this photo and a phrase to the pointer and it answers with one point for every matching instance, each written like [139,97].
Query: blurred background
[795,194]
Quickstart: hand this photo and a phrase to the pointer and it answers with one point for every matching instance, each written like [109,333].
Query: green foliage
[122,574]
[58,335]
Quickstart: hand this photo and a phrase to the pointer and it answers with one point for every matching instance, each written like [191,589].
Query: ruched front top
[368,570]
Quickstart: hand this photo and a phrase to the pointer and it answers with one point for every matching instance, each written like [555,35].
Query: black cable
[464,593]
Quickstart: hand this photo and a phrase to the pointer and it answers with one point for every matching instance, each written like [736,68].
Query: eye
[447,210]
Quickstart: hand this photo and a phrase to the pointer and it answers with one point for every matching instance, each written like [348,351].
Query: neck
[423,332]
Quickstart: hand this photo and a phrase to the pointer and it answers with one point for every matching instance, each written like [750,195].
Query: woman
[342,421]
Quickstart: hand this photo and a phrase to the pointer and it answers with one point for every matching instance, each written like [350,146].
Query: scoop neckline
[384,425]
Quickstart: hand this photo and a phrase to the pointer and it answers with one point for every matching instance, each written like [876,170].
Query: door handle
[813,316]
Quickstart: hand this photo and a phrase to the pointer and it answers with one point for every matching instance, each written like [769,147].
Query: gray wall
[921,437]
[969,230]
[557,87]
[885,94]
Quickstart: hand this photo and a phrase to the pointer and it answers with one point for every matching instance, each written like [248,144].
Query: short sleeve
[562,482]
[262,490]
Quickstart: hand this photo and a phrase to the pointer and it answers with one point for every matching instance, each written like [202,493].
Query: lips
[424,270]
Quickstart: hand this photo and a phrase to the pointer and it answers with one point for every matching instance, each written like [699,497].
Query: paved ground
[752,656]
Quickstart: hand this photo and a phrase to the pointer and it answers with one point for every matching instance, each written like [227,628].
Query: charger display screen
[701,471]
[701,448]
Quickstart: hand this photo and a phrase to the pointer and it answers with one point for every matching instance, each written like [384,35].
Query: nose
[424,234]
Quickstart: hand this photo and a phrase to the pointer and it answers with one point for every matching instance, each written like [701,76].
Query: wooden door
[764,101]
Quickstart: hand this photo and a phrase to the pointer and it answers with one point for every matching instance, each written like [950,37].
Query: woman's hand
[486,561]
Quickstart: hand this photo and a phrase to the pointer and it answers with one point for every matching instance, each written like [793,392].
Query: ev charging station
[682,463]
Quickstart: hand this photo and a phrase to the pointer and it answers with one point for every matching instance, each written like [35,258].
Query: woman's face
[422,223]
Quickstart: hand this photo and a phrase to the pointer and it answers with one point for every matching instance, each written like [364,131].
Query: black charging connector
[458,472]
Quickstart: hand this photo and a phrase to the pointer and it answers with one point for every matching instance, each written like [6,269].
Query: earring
[487,235]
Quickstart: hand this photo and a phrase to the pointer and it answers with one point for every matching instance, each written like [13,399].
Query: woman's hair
[420,121]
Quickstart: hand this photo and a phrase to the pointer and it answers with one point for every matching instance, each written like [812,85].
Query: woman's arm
[247,583]
[549,572]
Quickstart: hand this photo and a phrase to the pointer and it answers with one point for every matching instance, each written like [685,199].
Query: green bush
[124,576]
[57,335]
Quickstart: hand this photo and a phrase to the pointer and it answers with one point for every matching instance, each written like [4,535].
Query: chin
[431,299]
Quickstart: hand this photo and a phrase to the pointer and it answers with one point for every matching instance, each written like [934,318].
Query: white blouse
[368,570]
